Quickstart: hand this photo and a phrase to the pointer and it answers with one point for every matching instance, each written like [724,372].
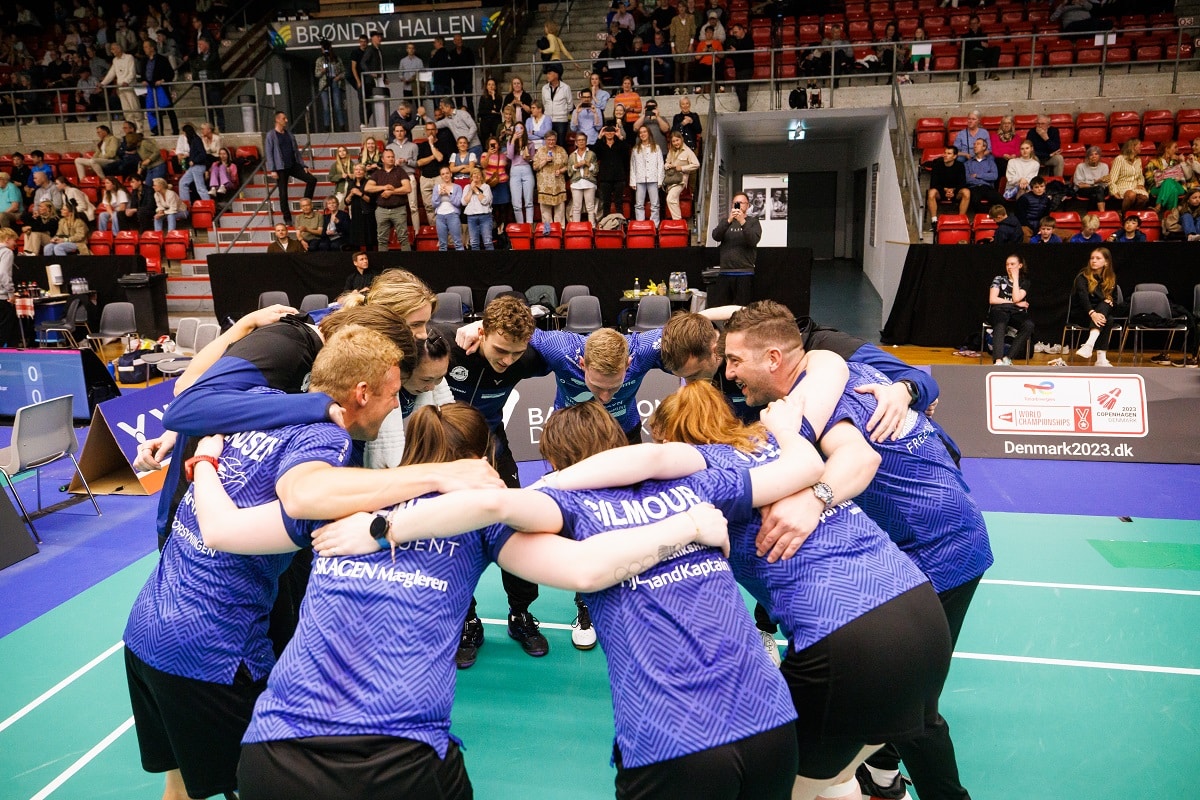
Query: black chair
[569,292]
[75,315]
[449,309]
[1073,332]
[653,311]
[313,302]
[583,315]
[494,291]
[272,298]
[1151,305]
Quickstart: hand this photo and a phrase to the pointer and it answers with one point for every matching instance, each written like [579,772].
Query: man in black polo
[947,183]
[390,186]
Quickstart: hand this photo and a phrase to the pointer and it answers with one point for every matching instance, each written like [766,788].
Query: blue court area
[1077,674]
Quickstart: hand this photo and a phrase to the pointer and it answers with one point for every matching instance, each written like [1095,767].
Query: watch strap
[190,465]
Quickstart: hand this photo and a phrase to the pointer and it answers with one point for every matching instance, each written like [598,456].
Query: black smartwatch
[379,529]
[913,394]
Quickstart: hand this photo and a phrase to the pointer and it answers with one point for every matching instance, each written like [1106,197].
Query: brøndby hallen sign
[402,27]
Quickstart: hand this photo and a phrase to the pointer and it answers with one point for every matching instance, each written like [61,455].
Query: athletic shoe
[583,635]
[873,791]
[1085,351]
[524,628]
[933,223]
[974,88]
[1055,349]
[768,640]
[1005,362]
[1161,358]
[1040,347]
[469,642]
[1101,361]
[1056,362]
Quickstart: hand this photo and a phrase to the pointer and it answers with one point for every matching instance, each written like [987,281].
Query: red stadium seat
[520,235]
[954,229]
[1158,125]
[1066,127]
[1151,225]
[548,240]
[202,214]
[1188,122]
[1087,53]
[1073,155]
[100,243]
[154,264]
[150,245]
[426,239]
[945,57]
[640,235]
[931,132]
[578,236]
[673,233]
[1067,222]
[609,239]
[984,228]
[1124,125]
[1110,223]
[176,245]
[125,243]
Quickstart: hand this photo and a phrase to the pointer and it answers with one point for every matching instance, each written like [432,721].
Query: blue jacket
[982,172]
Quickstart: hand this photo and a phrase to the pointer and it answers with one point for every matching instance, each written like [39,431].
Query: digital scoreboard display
[31,376]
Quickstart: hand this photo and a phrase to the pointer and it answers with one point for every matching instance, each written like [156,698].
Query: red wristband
[190,464]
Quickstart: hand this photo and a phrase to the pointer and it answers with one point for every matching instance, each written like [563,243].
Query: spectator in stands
[495,174]
[10,334]
[977,53]
[113,202]
[462,79]
[1075,16]
[71,236]
[645,174]
[552,50]
[587,119]
[537,125]
[678,167]
[45,191]
[206,70]
[390,186]
[739,235]
[947,183]
[1046,234]
[1047,145]
[308,223]
[38,159]
[662,66]
[403,115]
[283,243]
[655,122]
[331,87]
[1090,181]
[223,174]
[682,33]
[1090,224]
[342,170]
[11,202]
[335,228]
[1166,175]
[601,97]
[582,169]
[1092,304]
[195,160]
[835,52]
[283,161]
[629,100]
[1126,182]
[72,194]
[1189,215]
[407,153]
[1008,229]
[489,108]
[447,203]
[740,46]
[965,139]
[432,155]
[22,176]
[87,90]
[370,69]
[462,160]
[621,17]
[411,67]
[605,66]
[477,207]
[1033,206]
[687,123]
[708,51]
[550,166]
[893,56]
[127,146]
[1130,232]
[1008,305]
[168,209]
[104,156]
[519,99]
[440,63]
[558,103]
[362,210]
[982,175]
[521,180]
[156,74]
[139,214]
[1020,172]
[369,155]
[363,276]
[123,73]
[461,124]
[612,165]
[40,228]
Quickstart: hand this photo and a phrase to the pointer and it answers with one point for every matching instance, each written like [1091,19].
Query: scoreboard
[31,376]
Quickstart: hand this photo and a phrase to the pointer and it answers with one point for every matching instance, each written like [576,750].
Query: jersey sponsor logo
[459,374]
[640,511]
[678,574]
[193,541]
[366,570]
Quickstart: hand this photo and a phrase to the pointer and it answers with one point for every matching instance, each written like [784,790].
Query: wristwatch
[913,394]
[823,493]
[379,529]
[190,464]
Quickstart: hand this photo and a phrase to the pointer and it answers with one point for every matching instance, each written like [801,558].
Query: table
[679,302]
[151,359]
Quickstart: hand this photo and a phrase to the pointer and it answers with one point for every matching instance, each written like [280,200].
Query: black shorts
[350,767]
[193,726]
[874,680]
[759,767]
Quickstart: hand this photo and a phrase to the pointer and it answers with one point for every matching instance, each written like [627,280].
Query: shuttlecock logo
[1109,398]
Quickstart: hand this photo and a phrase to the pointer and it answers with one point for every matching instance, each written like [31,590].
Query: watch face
[379,527]
[823,492]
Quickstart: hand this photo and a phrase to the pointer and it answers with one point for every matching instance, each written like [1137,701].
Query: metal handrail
[910,191]
[707,168]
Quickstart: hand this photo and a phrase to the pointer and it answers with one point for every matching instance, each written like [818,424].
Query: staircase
[583,36]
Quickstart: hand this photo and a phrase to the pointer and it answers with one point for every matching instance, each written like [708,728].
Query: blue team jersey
[846,568]
[918,495]
[374,651]
[562,351]
[202,613]
[686,665]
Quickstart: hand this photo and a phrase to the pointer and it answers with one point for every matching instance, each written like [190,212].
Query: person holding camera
[331,81]
[586,118]
[657,125]
[739,235]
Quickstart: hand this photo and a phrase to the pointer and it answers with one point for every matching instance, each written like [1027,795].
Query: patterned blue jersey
[562,351]
[846,568]
[918,495]
[686,665]
[202,612]
[374,651]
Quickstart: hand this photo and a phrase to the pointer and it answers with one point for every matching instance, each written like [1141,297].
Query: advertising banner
[400,28]
[118,427]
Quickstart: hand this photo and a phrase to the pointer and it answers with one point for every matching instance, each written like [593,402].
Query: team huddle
[301,633]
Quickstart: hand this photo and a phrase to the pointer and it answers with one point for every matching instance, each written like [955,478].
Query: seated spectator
[83,206]
[113,202]
[335,228]
[71,235]
[1126,182]
[1046,234]
[834,53]
[104,156]
[1189,215]
[223,174]
[1090,181]
[982,175]
[37,163]
[150,160]
[195,160]
[284,243]
[45,190]
[1076,18]
[308,223]
[139,214]
[1166,175]
[1008,229]
[1033,206]
[40,228]
[680,164]
[1020,172]
[1047,145]
[1008,305]
[363,276]
[1129,232]
[127,150]
[965,139]
[1005,144]
[1090,224]
[1193,161]
[947,183]
[977,52]
[11,202]
[609,63]
[168,208]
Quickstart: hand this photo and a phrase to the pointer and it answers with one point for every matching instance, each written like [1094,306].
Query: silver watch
[823,493]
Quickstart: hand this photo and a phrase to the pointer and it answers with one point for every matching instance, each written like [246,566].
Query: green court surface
[1077,676]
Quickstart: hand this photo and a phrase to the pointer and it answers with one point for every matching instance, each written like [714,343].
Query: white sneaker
[583,635]
[768,640]
[1085,351]
[1101,361]
[1040,347]
[1054,349]
[1005,362]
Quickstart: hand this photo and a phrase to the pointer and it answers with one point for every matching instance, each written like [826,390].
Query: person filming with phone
[739,235]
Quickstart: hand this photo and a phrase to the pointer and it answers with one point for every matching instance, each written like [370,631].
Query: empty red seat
[640,235]
[1158,125]
[426,239]
[1110,223]
[176,245]
[150,244]
[1065,125]
[1124,125]
[551,239]
[931,132]
[945,57]
[100,243]
[125,243]
[520,235]
[578,236]
[1188,122]
[984,228]
[1087,53]
[1067,223]
[609,239]
[202,214]
[673,233]
[954,229]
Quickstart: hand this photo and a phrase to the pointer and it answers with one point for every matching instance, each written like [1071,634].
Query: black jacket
[1008,230]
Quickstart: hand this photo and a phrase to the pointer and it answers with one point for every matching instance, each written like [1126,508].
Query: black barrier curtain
[943,295]
[237,280]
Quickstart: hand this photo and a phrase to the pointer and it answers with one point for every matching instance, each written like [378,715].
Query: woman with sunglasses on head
[495,175]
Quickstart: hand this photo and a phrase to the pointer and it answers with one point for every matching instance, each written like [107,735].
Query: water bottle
[637,287]
[112,369]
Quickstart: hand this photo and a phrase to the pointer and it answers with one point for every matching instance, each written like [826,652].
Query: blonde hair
[8,235]
[397,289]
[352,356]
[698,414]
[606,351]
[1090,223]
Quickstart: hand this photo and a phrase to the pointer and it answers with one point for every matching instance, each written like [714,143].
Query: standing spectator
[308,223]
[678,167]
[11,202]
[462,58]
[965,139]
[341,171]
[410,72]
[1008,304]
[104,156]
[283,243]
[223,174]
[283,161]
[947,183]
[558,102]
[22,176]
[739,235]
[742,56]
[662,66]
[662,16]
[369,155]
[682,33]
[1033,206]
[1020,172]
[460,124]
[628,99]
[1090,181]
[587,119]
[403,115]
[462,161]
[1126,182]
[495,174]
[977,52]
[356,76]
[446,197]
[10,334]
[477,206]
[582,168]
[389,185]
[331,83]
[508,123]
[708,51]
[440,63]
[139,214]
[335,228]
[167,207]
[156,75]
[612,175]
[600,96]
[519,99]
[432,155]
[195,160]
[123,73]
[982,176]
[1047,146]
[489,108]
[71,237]
[538,124]
[521,181]
[645,174]
[687,123]
[206,70]
[370,71]
[407,154]
[362,210]
[550,166]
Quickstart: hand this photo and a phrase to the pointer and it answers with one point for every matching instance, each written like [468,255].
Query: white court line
[1066,662]
[554,626]
[1094,587]
[58,687]
[83,761]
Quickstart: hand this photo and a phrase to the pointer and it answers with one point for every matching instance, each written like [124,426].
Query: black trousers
[298,172]
[521,593]
[930,758]
[742,89]
[607,193]
[986,57]
[10,334]
[1000,317]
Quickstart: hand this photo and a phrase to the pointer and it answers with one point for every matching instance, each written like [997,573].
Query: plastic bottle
[637,287]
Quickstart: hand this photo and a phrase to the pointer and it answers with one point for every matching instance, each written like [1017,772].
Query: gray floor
[843,298]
